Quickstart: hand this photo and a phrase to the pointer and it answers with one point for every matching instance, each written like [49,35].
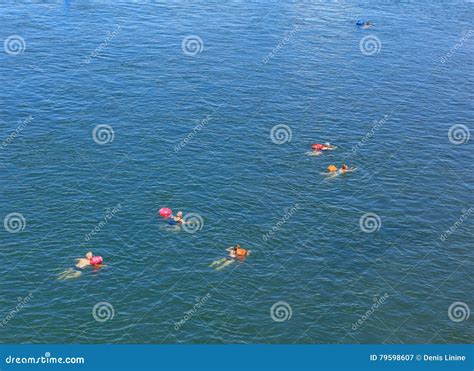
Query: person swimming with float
[318,148]
[235,253]
[364,24]
[176,219]
[332,170]
[88,260]
[167,214]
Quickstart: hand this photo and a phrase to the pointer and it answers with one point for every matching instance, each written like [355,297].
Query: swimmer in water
[84,262]
[367,25]
[333,172]
[178,218]
[318,147]
[237,252]
[76,272]
[345,169]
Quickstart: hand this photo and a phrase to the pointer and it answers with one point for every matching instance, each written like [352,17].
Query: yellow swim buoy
[332,168]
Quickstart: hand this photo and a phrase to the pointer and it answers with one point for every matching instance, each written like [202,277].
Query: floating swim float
[96,260]
[359,22]
[332,169]
[241,252]
[165,212]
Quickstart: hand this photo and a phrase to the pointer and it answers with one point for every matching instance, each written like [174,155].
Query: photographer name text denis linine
[445,357]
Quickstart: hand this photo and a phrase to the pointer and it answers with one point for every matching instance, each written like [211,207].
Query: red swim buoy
[96,260]
[165,212]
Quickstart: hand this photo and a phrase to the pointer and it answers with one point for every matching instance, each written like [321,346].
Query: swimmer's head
[344,166]
[180,213]
[327,144]
[89,255]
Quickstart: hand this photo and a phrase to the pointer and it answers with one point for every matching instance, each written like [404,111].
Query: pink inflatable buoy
[96,260]
[165,212]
